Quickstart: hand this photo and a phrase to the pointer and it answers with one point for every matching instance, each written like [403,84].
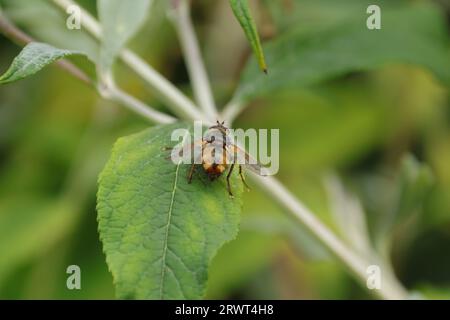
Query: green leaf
[411,34]
[120,20]
[33,58]
[242,13]
[160,233]
[29,15]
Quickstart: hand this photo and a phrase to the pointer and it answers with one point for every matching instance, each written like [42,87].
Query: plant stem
[231,111]
[390,289]
[130,102]
[181,18]
[175,99]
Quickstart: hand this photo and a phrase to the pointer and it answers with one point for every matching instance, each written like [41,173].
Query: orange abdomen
[214,169]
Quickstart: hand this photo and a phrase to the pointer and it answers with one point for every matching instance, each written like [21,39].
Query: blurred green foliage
[385,132]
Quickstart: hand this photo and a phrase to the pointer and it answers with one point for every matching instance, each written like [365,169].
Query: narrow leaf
[160,233]
[242,13]
[33,58]
[120,21]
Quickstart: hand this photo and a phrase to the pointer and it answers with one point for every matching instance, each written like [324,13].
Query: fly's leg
[191,173]
[200,177]
[165,149]
[228,181]
[243,179]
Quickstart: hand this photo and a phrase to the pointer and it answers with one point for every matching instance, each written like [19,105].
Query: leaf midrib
[169,218]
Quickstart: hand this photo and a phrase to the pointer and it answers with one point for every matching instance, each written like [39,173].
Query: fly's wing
[189,153]
[242,158]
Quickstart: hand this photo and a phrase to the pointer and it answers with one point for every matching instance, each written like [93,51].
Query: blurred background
[379,140]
